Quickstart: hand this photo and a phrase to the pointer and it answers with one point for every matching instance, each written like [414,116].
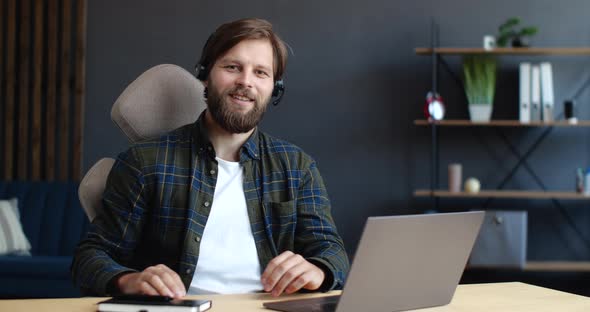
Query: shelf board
[503,194]
[507,51]
[557,266]
[544,266]
[501,123]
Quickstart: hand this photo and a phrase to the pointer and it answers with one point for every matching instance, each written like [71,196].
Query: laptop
[401,263]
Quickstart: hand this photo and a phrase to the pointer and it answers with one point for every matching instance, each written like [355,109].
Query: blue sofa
[54,222]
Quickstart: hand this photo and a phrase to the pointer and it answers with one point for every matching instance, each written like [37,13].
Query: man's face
[240,85]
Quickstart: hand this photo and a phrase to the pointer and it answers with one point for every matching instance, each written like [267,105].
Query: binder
[525,92]
[547,91]
[535,93]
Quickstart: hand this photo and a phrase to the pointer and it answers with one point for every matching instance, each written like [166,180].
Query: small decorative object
[518,37]
[569,112]
[434,108]
[472,185]
[489,42]
[455,178]
[480,84]
[579,180]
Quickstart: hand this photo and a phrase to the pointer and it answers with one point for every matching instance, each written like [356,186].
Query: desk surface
[477,297]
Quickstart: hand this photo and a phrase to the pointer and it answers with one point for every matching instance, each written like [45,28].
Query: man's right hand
[158,280]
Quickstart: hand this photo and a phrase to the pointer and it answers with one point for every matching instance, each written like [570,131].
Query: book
[525,92]
[547,91]
[536,93]
[134,303]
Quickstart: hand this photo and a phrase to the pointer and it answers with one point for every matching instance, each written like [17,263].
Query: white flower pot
[480,112]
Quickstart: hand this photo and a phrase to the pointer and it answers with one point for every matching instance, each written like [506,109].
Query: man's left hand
[289,272]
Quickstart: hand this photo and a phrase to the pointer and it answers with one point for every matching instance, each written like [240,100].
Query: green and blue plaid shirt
[159,194]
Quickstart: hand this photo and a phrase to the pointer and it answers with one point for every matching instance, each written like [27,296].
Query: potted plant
[517,37]
[480,84]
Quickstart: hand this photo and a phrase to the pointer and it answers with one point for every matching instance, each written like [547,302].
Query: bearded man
[217,206]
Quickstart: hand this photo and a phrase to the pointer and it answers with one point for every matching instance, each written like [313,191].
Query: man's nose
[245,79]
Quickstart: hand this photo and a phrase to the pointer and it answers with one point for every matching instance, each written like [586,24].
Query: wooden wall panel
[22,138]
[37,95]
[51,104]
[2,76]
[10,110]
[42,85]
[80,69]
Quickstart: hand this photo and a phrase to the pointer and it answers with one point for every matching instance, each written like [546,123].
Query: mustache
[241,91]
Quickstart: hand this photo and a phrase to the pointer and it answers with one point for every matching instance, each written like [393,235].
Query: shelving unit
[514,194]
[549,266]
[505,51]
[436,193]
[500,123]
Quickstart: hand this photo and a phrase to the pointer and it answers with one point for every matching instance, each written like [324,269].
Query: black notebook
[152,304]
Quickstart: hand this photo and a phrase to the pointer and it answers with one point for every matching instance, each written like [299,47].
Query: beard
[235,121]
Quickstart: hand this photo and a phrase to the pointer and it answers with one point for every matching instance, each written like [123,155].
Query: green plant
[509,32]
[480,78]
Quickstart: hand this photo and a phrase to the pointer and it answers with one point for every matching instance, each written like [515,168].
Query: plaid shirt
[159,195]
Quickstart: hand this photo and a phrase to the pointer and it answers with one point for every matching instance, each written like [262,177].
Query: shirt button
[188,271]
[209,147]
[206,204]
[212,172]
[197,239]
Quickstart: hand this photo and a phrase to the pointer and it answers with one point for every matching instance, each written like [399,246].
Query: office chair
[161,99]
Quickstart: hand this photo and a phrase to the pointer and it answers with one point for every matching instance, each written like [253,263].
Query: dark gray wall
[354,86]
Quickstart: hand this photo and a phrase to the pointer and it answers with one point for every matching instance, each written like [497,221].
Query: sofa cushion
[12,237]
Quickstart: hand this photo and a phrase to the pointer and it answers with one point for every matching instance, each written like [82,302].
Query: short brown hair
[230,34]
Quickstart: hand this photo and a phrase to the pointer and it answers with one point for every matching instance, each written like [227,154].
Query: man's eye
[262,73]
[231,67]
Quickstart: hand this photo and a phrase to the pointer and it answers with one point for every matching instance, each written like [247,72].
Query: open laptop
[401,263]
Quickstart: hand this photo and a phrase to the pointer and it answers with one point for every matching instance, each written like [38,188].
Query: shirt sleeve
[316,237]
[113,235]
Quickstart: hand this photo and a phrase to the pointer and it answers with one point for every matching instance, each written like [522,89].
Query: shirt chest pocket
[283,222]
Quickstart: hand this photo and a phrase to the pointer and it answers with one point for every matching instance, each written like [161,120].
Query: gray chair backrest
[161,99]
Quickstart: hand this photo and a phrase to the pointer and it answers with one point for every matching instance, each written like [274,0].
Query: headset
[202,69]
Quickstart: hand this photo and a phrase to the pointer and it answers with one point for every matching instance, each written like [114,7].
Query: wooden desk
[478,297]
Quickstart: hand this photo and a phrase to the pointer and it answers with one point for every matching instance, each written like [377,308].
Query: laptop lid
[409,262]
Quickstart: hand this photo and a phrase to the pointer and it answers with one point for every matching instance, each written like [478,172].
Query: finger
[302,281]
[156,282]
[276,261]
[147,289]
[172,280]
[273,264]
[172,284]
[277,274]
[289,277]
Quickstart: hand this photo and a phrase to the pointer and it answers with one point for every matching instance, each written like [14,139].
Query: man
[217,206]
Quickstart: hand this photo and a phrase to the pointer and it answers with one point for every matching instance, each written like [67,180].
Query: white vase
[480,112]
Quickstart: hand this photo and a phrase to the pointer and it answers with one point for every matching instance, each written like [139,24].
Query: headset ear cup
[278,91]
[201,72]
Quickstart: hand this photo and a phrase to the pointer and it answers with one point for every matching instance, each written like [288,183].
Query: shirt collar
[203,144]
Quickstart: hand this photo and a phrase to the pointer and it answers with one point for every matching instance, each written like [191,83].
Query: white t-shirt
[228,261]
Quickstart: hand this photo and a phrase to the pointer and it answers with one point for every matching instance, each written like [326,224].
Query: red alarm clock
[434,108]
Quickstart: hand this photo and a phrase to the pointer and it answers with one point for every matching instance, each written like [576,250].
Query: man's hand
[289,272]
[157,280]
